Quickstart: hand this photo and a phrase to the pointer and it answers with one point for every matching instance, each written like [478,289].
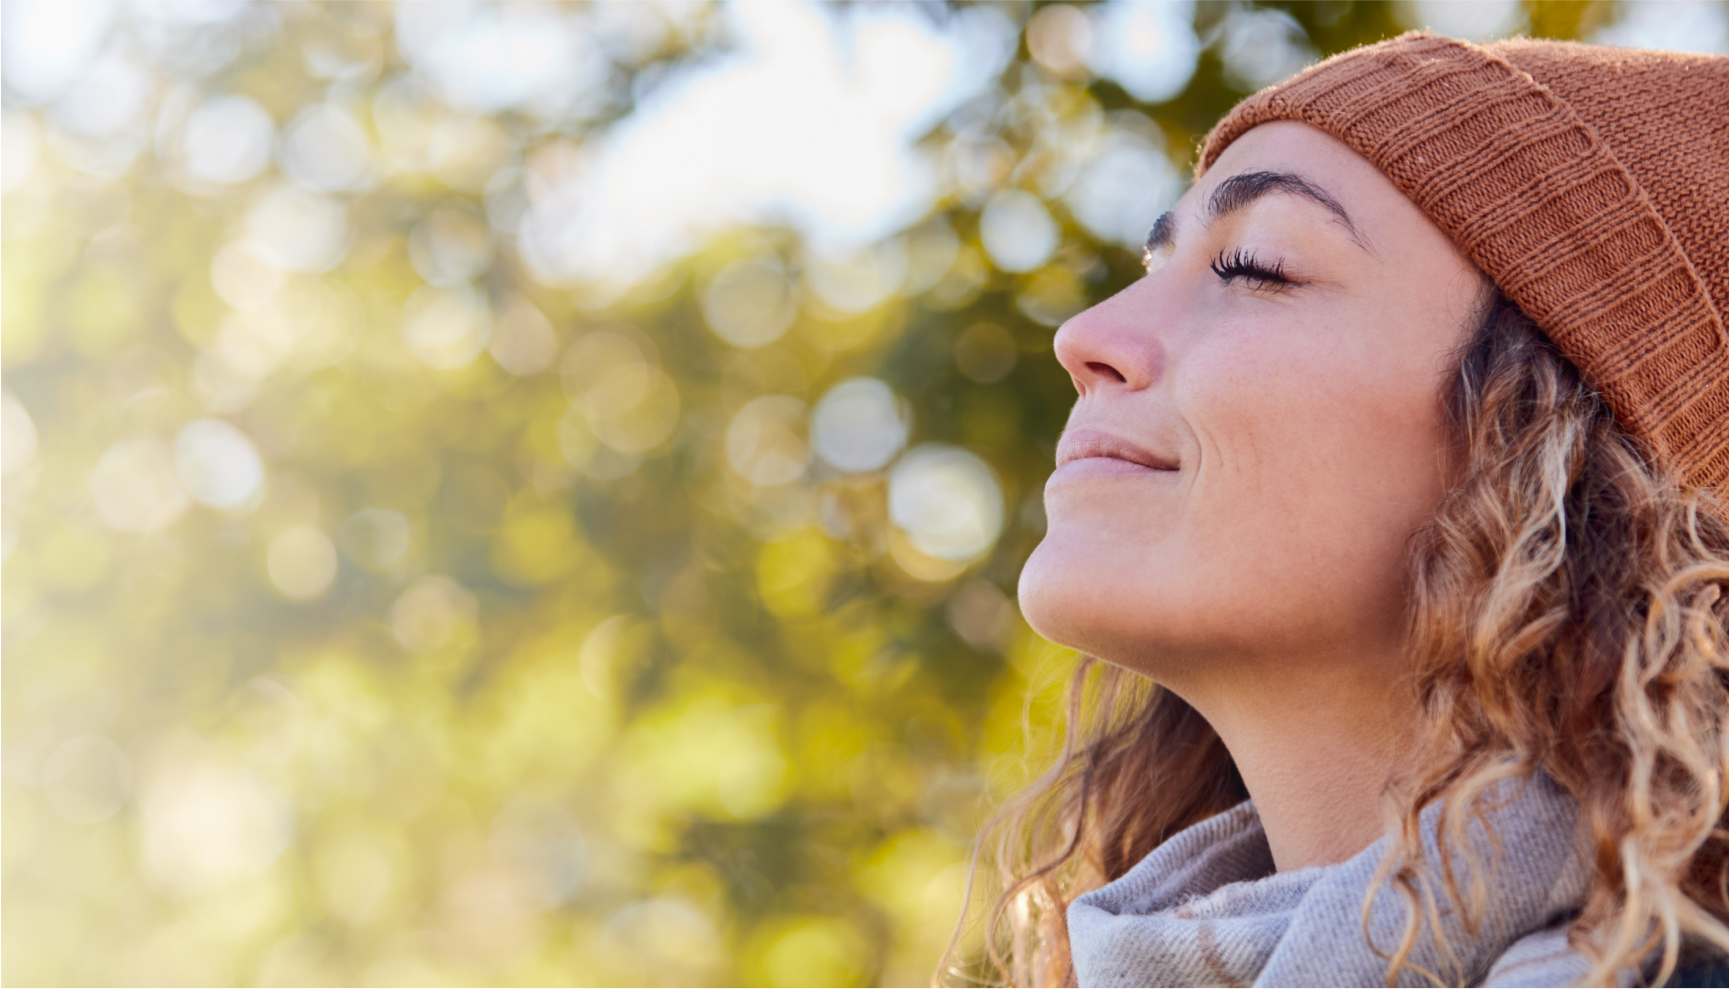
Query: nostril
[1104,370]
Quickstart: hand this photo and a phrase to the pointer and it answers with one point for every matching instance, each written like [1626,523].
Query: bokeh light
[858,425]
[503,493]
[1127,183]
[302,562]
[217,465]
[299,230]
[947,501]
[764,441]
[325,149]
[1017,231]
[227,140]
[750,303]
[446,328]
[1150,49]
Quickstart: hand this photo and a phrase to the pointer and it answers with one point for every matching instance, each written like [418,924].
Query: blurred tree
[487,502]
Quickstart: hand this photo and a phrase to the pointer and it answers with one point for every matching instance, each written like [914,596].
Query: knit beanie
[1590,184]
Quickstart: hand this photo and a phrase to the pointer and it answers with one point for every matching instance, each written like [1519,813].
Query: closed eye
[1253,272]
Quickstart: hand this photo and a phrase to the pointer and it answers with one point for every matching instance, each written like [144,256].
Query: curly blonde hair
[1567,615]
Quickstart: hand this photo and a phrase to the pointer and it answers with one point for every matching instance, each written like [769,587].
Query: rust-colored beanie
[1591,184]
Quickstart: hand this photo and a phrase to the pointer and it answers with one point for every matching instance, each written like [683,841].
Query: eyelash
[1241,264]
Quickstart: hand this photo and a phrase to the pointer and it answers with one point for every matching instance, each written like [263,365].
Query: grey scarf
[1207,909]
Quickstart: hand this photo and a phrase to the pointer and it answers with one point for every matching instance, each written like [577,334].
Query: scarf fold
[1206,908]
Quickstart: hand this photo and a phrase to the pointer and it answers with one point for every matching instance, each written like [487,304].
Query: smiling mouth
[1092,444]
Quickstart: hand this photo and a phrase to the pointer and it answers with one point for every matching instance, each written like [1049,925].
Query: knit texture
[1206,909]
[1591,184]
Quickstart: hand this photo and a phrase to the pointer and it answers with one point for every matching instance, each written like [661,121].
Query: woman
[1390,516]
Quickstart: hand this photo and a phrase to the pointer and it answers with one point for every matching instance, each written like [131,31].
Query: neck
[1317,745]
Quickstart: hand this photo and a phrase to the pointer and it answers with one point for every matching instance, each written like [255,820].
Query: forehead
[1377,207]
[1290,146]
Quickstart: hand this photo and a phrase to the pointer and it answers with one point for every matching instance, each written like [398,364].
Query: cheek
[1306,422]
[1316,462]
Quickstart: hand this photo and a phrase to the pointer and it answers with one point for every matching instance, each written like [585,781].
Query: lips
[1084,444]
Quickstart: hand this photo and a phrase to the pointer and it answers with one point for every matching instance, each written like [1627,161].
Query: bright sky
[811,122]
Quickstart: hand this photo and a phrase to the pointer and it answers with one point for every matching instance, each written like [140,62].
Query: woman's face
[1260,422]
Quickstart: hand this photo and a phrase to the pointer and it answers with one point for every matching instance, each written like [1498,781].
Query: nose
[1112,345]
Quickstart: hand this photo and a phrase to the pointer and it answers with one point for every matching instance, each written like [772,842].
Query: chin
[1062,595]
[1134,605]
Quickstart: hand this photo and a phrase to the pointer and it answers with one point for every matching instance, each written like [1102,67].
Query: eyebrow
[1239,191]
